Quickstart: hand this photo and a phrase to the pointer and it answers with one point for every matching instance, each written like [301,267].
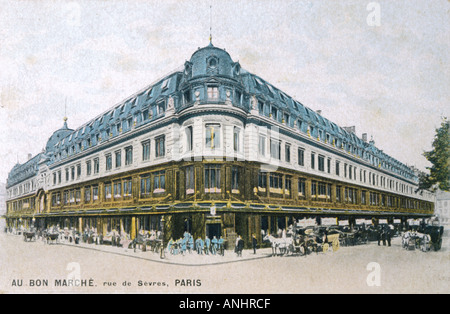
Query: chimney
[364,137]
[29,156]
[350,129]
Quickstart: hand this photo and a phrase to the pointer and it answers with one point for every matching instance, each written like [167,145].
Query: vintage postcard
[224,147]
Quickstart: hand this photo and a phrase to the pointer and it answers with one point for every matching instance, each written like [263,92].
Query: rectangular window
[95,192]
[314,190]
[363,197]
[78,171]
[118,157]
[127,188]
[236,133]
[189,139]
[88,168]
[72,172]
[96,165]
[159,179]
[313,160]
[301,156]
[276,183]
[287,185]
[234,180]
[190,183]
[275,148]
[274,112]
[146,150]
[108,191]
[212,136]
[212,179]
[302,187]
[338,193]
[287,152]
[160,108]
[59,176]
[77,196]
[187,96]
[213,93]
[322,191]
[145,115]
[260,107]
[321,163]
[66,197]
[117,190]
[108,162]
[262,145]
[160,149]
[87,194]
[338,164]
[128,155]
[329,165]
[145,186]
[262,181]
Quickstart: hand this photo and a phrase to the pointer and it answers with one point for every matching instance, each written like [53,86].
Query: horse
[52,237]
[29,236]
[284,245]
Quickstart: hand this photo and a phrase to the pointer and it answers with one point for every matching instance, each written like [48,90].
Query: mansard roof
[21,172]
[204,64]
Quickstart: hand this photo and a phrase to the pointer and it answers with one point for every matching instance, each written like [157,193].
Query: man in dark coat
[254,243]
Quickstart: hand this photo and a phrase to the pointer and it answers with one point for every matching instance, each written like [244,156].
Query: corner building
[214,150]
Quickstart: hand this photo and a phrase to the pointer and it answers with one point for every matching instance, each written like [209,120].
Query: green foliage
[439,157]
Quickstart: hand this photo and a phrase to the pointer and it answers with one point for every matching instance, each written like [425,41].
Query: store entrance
[213,229]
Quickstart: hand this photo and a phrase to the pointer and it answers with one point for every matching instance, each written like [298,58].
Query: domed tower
[57,136]
[211,77]
[211,61]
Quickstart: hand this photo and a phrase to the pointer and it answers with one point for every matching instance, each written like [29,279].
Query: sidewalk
[188,259]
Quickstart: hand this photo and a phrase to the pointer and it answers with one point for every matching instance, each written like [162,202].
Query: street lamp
[162,237]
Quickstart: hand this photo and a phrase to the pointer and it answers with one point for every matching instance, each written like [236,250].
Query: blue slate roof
[21,172]
[210,63]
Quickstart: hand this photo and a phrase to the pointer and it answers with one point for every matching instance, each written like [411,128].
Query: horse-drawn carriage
[429,239]
[435,233]
[304,241]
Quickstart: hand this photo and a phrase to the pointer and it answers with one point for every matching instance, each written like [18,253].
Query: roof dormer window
[165,84]
[212,63]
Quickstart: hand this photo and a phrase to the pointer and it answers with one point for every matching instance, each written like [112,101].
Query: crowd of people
[184,245]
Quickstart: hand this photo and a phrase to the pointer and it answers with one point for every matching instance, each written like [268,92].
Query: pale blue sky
[390,81]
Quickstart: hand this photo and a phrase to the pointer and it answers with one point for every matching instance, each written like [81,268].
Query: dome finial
[210,25]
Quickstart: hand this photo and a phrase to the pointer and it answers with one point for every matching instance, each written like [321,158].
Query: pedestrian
[383,237]
[214,245]
[207,245]
[199,244]
[254,243]
[191,244]
[221,246]
[240,247]
[388,236]
[378,236]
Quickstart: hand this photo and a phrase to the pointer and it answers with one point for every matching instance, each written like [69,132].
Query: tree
[439,157]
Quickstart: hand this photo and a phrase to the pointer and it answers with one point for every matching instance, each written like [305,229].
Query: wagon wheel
[325,247]
[335,245]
